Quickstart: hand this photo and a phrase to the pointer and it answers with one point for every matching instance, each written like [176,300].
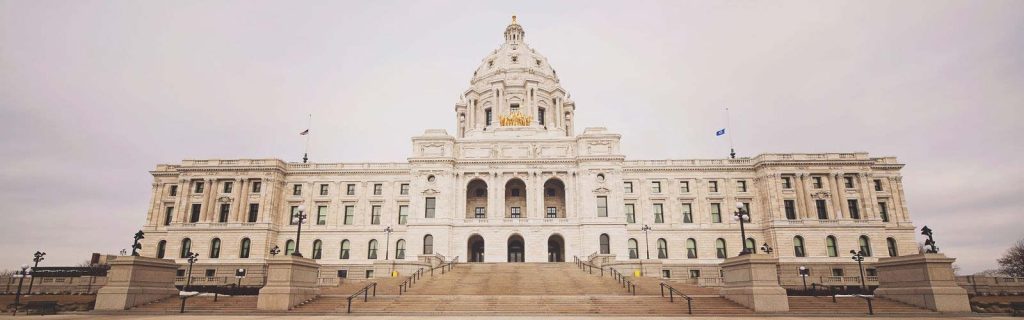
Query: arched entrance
[475,248]
[556,249]
[516,249]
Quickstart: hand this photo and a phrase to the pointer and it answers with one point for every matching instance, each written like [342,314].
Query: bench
[1017,308]
[42,307]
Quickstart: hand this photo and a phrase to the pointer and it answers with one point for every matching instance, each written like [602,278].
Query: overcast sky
[94,94]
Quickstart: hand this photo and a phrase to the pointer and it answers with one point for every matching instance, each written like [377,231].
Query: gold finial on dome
[513,19]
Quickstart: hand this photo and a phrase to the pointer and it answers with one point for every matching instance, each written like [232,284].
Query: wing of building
[516,183]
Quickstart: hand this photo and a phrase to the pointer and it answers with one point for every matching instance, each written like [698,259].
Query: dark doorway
[476,248]
[556,249]
[516,249]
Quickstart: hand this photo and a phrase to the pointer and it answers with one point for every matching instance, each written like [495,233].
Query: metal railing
[836,291]
[618,277]
[671,298]
[365,291]
[405,285]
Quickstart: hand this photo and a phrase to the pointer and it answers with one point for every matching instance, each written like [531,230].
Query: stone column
[290,281]
[752,281]
[182,203]
[867,197]
[810,210]
[133,281]
[236,206]
[837,207]
[925,280]
[841,195]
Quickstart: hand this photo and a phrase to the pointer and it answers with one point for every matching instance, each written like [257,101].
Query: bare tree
[1012,262]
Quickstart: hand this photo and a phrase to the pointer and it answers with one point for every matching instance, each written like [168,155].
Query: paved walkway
[326,317]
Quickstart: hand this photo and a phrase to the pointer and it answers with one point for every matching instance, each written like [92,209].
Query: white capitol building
[517,182]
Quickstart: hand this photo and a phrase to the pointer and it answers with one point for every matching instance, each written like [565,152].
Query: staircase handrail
[589,268]
[409,281]
[689,300]
[365,292]
[867,297]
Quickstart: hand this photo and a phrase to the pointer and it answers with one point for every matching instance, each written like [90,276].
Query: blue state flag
[720,132]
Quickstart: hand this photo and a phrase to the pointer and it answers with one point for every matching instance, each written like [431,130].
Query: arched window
[161,249]
[428,244]
[186,247]
[289,247]
[830,246]
[243,252]
[691,248]
[720,248]
[372,253]
[215,248]
[634,249]
[605,244]
[318,249]
[400,249]
[750,245]
[662,249]
[891,243]
[865,246]
[798,247]
[345,247]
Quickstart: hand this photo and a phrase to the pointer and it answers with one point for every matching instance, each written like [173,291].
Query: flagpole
[728,128]
[305,153]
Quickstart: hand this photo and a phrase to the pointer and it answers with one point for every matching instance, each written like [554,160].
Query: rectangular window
[403,214]
[602,206]
[694,274]
[375,215]
[883,211]
[817,182]
[350,189]
[211,273]
[746,208]
[871,272]
[343,274]
[854,209]
[321,215]
[838,272]
[684,186]
[630,213]
[540,116]
[294,220]
[297,190]
[552,212]
[479,212]
[256,186]
[488,115]
[787,183]
[848,182]
[627,187]
[687,213]
[350,213]
[659,213]
[713,186]
[655,186]
[174,190]
[378,189]
[181,273]
[324,189]
[196,209]
[741,186]
[200,187]
[822,209]
[369,273]
[404,189]
[716,213]
[225,208]
[878,185]
[429,204]
[168,216]
[515,212]
[228,186]
[790,209]
[254,211]
[666,274]
[514,108]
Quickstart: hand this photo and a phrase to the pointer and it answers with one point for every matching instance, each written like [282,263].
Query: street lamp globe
[302,208]
[739,205]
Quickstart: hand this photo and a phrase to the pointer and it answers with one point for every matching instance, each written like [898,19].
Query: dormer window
[515,59]
[515,107]
[538,62]
[490,63]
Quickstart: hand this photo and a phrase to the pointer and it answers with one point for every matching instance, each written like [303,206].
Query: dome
[515,57]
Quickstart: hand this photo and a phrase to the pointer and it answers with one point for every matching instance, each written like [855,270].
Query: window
[174,190]
[243,251]
[297,190]
[350,212]
[488,116]
[798,247]
[515,212]
[687,213]
[720,248]
[403,214]
[200,187]
[883,211]
[369,274]
[750,245]
[871,272]
[790,206]
[691,248]
[186,248]
[161,249]
[891,245]
[429,206]
[627,187]
[343,274]
[479,212]
[787,183]
[838,272]
[816,182]
[878,185]
[180,272]
[321,215]
[605,243]
[254,211]
[666,274]
[684,186]
[400,249]
[662,249]
[716,213]
[215,248]
[746,208]
[540,116]
[865,245]
[822,209]
[854,209]
[346,247]
[634,249]
[602,206]
[659,214]
[378,189]
[225,208]
[211,273]
[228,186]
[196,209]
[256,186]
[712,186]
[550,192]
[350,189]
[375,215]
[552,212]
[372,252]
[848,182]
[168,216]
[428,244]
[289,247]
[515,106]
[655,186]
[324,189]
[741,186]
[514,193]
[630,213]
[694,273]
[403,189]
[294,220]
[318,249]
[830,246]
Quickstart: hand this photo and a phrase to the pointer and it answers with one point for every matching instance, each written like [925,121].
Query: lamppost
[804,273]
[930,242]
[743,216]
[192,257]
[647,243]
[239,274]
[38,256]
[25,273]
[275,250]
[387,242]
[300,216]
[859,257]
